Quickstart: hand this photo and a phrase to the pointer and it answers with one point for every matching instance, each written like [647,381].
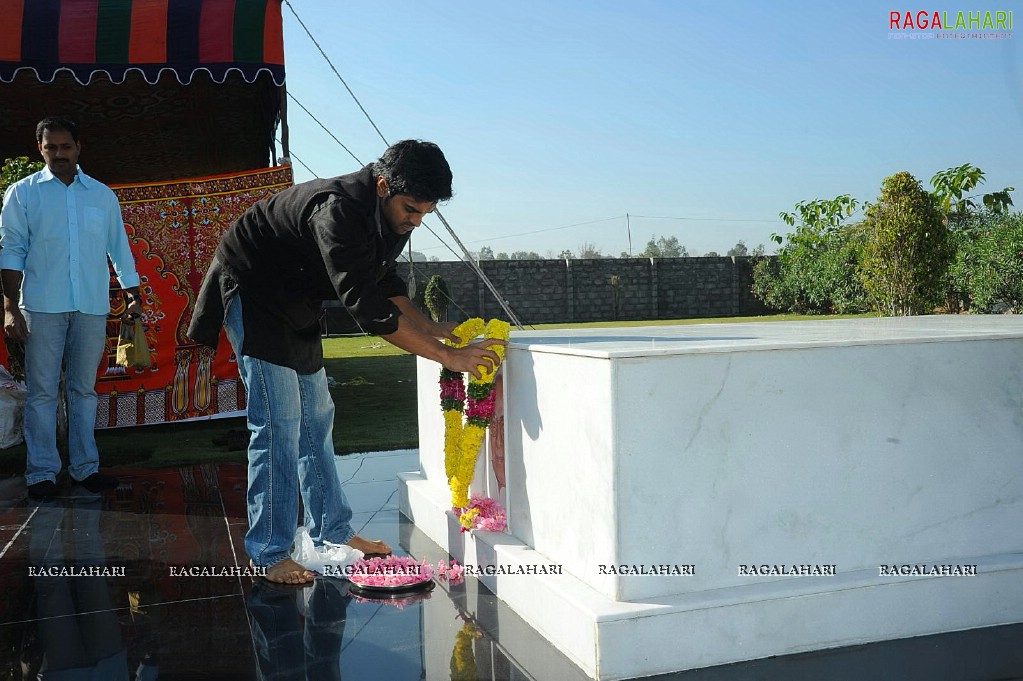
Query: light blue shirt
[59,236]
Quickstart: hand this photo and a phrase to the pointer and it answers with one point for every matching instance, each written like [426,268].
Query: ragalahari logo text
[946,24]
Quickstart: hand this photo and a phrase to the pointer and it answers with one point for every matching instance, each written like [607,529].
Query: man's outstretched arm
[411,337]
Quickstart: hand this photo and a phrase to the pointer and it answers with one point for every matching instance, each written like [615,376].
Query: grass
[373,387]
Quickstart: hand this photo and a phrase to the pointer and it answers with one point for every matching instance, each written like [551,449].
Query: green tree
[964,217]
[664,247]
[815,270]
[989,262]
[815,276]
[907,249]
[525,255]
[566,255]
[951,187]
[711,254]
[485,253]
[738,250]
[416,257]
[15,169]
[436,298]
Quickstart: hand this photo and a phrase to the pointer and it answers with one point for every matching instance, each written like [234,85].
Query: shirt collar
[80,176]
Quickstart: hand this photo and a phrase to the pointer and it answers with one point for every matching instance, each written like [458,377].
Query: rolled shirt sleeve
[14,229]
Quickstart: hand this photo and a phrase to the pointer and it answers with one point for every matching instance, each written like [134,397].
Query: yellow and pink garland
[462,442]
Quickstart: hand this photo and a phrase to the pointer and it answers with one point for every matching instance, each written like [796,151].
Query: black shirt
[286,254]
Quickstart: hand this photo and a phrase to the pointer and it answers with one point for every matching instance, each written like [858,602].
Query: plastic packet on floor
[330,560]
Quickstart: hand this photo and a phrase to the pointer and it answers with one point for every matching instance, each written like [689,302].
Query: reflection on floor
[134,610]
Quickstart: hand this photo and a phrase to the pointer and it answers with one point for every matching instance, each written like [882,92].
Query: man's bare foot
[370,548]
[288,572]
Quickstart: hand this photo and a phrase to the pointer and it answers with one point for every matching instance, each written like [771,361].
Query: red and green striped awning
[114,37]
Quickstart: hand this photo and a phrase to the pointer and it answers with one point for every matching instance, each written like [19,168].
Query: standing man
[320,240]
[57,228]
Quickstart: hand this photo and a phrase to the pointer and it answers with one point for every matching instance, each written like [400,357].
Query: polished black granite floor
[143,616]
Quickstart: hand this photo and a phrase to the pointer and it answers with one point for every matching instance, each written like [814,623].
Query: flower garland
[389,571]
[462,442]
[399,571]
[484,513]
[463,658]
[452,573]
[399,603]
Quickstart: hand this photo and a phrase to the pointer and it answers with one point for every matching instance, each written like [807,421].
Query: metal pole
[479,272]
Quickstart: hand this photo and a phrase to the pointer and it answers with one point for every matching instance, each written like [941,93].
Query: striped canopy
[116,37]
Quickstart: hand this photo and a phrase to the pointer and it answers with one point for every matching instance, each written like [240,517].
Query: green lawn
[375,394]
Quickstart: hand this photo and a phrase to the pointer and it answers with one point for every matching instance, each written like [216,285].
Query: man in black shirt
[325,239]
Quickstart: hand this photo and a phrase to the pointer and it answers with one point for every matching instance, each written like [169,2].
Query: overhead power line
[300,162]
[325,128]
[336,73]
[674,217]
[593,222]
[467,256]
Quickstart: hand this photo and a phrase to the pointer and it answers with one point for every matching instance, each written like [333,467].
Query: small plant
[436,298]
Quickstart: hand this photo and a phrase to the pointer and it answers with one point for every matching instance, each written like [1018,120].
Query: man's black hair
[55,123]
[417,169]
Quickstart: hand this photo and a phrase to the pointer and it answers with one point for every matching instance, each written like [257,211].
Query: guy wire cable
[479,272]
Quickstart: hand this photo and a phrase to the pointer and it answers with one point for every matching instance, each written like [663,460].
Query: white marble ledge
[645,341]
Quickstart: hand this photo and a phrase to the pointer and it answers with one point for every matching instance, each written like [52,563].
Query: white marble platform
[840,445]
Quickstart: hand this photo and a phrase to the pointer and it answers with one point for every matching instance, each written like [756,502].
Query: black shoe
[97,482]
[43,491]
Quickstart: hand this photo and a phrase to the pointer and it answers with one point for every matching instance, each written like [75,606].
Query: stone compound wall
[559,291]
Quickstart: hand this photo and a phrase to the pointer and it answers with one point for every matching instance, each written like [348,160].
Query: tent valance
[116,37]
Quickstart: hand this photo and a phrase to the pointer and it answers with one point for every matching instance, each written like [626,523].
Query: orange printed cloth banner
[174,229]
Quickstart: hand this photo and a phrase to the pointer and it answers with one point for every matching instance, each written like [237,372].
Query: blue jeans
[292,645]
[78,340]
[291,449]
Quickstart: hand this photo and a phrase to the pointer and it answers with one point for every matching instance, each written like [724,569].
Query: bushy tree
[485,253]
[525,255]
[907,249]
[738,250]
[664,247]
[951,187]
[815,271]
[989,262]
[15,169]
[815,274]
[965,215]
[416,257]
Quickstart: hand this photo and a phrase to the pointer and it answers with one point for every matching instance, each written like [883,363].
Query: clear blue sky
[562,112]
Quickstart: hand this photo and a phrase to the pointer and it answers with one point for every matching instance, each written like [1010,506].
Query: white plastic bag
[12,410]
[329,560]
